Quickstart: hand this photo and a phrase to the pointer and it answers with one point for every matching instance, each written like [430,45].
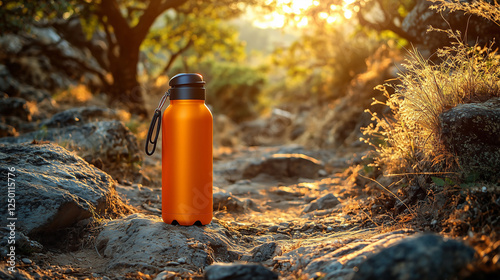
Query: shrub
[409,141]
[232,89]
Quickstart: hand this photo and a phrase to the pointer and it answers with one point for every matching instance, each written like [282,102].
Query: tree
[377,15]
[123,25]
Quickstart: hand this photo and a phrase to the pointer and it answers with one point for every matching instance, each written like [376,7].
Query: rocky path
[279,212]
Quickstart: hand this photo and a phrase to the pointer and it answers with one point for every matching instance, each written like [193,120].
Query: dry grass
[409,141]
[478,7]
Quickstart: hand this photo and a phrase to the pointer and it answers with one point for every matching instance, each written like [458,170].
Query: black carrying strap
[156,119]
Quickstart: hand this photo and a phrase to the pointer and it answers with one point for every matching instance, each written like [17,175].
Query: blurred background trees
[256,55]
[119,35]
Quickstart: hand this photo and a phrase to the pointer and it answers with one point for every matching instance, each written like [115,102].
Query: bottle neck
[187,101]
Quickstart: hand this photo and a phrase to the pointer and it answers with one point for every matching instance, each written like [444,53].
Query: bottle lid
[187,86]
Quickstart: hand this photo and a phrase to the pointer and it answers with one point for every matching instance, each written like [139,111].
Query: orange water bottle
[186,152]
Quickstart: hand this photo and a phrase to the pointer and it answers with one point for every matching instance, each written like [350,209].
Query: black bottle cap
[187,86]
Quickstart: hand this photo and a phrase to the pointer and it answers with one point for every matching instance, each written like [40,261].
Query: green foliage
[16,16]
[321,65]
[198,36]
[232,89]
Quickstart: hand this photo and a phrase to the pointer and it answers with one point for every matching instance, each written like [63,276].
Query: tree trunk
[125,91]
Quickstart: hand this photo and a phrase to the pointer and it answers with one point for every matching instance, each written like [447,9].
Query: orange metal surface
[187,166]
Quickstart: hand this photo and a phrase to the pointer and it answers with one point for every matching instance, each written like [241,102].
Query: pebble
[273,228]
[182,260]
[483,189]
[164,275]
[26,261]
[329,228]
[322,173]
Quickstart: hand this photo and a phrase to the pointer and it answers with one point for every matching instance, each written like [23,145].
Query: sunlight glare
[303,22]
[298,6]
[331,19]
[347,14]
[273,20]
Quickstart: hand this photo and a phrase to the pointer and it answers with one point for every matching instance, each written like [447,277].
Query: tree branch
[174,56]
[154,9]
[387,24]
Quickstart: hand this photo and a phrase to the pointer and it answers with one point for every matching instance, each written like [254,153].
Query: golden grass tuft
[409,141]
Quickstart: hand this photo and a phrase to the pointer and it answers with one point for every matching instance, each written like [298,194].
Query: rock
[80,115]
[30,93]
[24,244]
[268,131]
[7,130]
[339,258]
[109,145]
[146,243]
[284,166]
[227,131]
[264,252]
[26,261]
[325,202]
[54,188]
[425,256]
[19,274]
[472,132]
[223,200]
[273,228]
[166,275]
[415,24]
[239,271]
[138,195]
[15,107]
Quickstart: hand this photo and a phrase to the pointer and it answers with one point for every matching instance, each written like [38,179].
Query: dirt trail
[259,211]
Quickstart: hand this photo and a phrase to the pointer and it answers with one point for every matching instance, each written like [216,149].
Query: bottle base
[187,220]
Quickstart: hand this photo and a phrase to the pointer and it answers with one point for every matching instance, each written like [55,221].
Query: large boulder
[80,115]
[267,131]
[15,107]
[426,256]
[472,132]
[284,166]
[147,243]
[53,187]
[473,28]
[108,145]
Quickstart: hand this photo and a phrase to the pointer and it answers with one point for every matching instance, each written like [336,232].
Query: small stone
[322,173]
[483,189]
[238,271]
[329,228]
[68,270]
[165,275]
[327,201]
[273,228]
[26,261]
[182,260]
